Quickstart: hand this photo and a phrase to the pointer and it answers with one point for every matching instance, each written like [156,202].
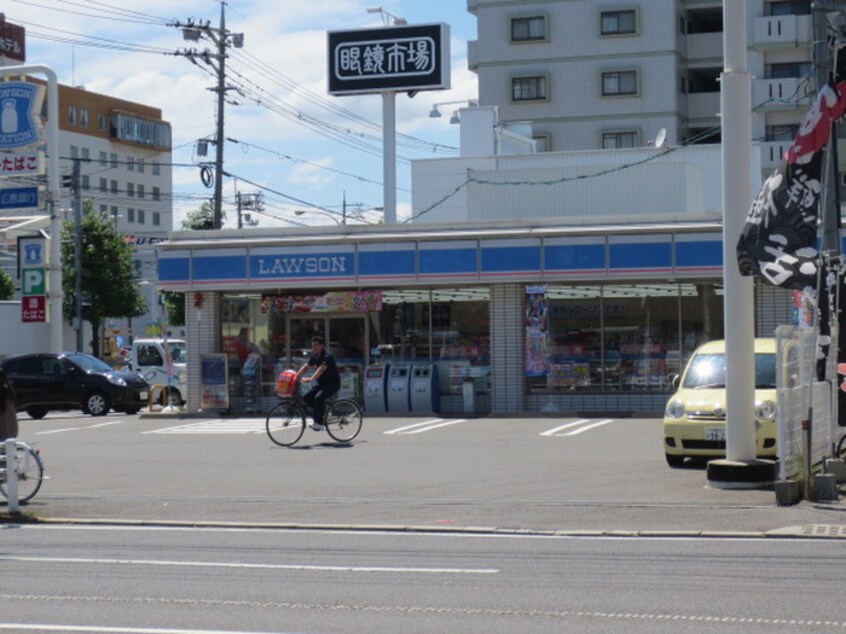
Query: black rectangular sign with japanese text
[392,58]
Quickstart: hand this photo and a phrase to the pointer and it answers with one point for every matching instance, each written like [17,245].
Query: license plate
[715,433]
[142,396]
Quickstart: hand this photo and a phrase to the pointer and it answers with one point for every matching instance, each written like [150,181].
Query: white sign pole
[53,191]
[389,153]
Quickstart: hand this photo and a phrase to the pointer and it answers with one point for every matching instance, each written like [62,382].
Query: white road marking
[552,432]
[222,564]
[21,627]
[581,430]
[581,426]
[62,430]
[216,426]
[418,428]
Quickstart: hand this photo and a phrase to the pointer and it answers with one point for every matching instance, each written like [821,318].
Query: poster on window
[330,302]
[537,332]
[214,382]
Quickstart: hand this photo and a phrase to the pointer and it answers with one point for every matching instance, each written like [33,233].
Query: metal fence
[806,407]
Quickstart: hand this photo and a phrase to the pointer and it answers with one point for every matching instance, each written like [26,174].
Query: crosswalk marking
[428,425]
[216,426]
[581,426]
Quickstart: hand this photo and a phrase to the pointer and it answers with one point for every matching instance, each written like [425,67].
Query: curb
[812,531]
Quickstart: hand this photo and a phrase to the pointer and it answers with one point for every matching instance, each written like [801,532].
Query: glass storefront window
[610,337]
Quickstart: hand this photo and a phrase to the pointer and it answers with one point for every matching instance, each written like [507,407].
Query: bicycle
[286,422]
[30,471]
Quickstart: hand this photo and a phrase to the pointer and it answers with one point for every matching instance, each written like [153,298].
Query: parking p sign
[33,282]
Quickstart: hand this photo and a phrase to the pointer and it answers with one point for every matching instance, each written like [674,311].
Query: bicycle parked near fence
[30,471]
[286,422]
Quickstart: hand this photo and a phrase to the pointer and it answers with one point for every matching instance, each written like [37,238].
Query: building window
[130,190]
[140,216]
[114,187]
[140,165]
[85,181]
[85,154]
[104,185]
[156,169]
[130,215]
[114,213]
[619,83]
[104,158]
[156,193]
[74,150]
[104,209]
[789,70]
[614,140]
[101,122]
[528,88]
[785,132]
[788,7]
[618,22]
[72,115]
[126,127]
[528,29]
[130,163]
[113,160]
[140,190]
[542,142]
[83,117]
[157,219]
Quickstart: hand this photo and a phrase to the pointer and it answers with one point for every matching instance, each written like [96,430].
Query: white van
[148,358]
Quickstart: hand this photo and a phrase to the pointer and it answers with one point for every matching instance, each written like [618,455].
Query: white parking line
[216,426]
[418,428]
[64,429]
[581,427]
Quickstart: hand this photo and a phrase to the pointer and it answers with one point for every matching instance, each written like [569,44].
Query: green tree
[7,285]
[174,303]
[109,284]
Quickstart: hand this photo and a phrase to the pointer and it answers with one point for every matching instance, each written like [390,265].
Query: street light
[388,18]
[434,113]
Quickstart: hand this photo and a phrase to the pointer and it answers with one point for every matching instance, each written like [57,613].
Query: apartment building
[602,75]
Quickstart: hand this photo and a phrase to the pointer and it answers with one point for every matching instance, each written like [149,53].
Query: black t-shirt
[330,377]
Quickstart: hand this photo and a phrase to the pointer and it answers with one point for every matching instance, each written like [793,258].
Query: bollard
[12,475]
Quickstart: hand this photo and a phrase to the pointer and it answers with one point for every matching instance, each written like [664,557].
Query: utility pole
[253,202]
[222,40]
[72,182]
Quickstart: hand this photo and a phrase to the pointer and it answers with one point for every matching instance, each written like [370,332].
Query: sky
[306,148]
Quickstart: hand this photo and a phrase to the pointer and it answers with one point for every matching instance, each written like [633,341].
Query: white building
[591,75]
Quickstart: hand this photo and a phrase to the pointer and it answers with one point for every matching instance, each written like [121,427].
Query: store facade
[537,318]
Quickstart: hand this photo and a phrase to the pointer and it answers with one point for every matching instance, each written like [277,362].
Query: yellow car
[695,417]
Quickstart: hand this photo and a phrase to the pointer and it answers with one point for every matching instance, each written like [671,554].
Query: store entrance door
[347,336]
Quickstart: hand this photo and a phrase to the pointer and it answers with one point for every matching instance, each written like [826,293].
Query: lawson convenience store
[541,317]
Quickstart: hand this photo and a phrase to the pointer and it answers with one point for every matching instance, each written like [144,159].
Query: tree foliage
[109,280]
[7,286]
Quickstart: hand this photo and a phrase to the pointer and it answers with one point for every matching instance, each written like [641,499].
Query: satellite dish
[660,138]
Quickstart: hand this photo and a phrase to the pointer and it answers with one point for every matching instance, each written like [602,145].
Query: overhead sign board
[20,109]
[19,198]
[403,58]
[12,41]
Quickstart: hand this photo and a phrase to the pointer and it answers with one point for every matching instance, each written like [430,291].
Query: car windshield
[709,371]
[88,363]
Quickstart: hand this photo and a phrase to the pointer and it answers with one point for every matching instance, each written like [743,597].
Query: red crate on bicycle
[286,383]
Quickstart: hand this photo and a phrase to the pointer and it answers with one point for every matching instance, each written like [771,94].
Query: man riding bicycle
[326,377]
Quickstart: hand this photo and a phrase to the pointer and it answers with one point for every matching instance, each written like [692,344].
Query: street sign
[20,106]
[12,41]
[401,58]
[22,164]
[34,309]
[19,198]
[33,282]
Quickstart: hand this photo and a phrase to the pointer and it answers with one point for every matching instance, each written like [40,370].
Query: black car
[72,380]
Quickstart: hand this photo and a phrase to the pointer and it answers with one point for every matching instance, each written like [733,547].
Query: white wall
[17,337]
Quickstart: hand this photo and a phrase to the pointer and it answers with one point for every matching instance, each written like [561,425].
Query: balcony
[783,31]
[779,94]
[704,46]
[703,105]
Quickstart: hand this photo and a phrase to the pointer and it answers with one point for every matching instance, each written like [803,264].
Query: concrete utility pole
[252,202]
[222,40]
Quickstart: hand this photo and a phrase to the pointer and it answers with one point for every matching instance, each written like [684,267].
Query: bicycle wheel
[841,448]
[285,424]
[30,473]
[343,420]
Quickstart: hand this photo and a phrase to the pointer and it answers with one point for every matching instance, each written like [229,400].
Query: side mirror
[674,380]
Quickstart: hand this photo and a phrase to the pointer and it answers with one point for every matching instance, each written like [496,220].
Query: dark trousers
[316,398]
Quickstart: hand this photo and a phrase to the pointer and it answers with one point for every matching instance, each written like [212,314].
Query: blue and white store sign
[20,106]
